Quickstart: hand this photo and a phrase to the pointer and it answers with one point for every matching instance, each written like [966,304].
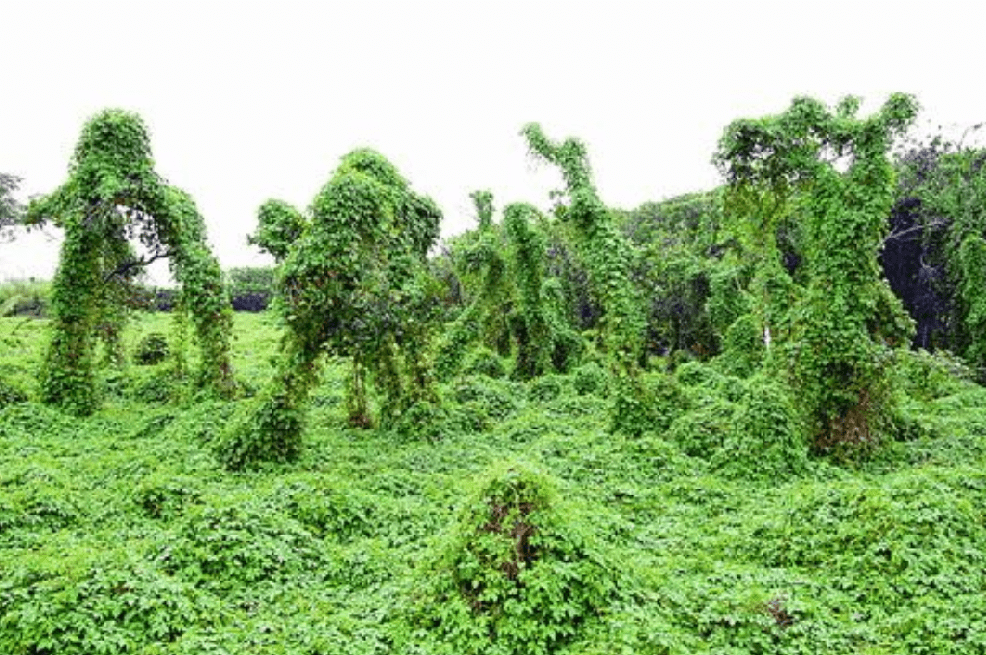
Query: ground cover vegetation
[748,420]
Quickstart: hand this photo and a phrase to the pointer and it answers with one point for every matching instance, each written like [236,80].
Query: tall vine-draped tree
[512,306]
[113,195]
[354,283]
[607,255]
[530,322]
[846,321]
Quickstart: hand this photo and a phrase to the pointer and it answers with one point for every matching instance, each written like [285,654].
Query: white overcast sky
[251,100]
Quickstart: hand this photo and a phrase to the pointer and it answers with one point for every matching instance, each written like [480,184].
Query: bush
[484,361]
[495,399]
[11,395]
[225,547]
[546,388]
[590,378]
[703,431]
[264,430]
[929,376]
[152,349]
[519,573]
[111,608]
[768,442]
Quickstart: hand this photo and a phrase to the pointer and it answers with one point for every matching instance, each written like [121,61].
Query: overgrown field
[519,519]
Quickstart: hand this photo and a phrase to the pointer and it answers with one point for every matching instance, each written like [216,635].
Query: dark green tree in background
[934,253]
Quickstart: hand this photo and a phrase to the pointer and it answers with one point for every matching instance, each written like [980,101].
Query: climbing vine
[113,195]
[353,284]
[846,322]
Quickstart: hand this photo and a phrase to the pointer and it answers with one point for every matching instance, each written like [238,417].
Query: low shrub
[483,361]
[112,608]
[10,394]
[768,441]
[590,378]
[518,574]
[151,349]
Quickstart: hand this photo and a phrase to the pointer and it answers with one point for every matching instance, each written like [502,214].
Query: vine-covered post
[847,320]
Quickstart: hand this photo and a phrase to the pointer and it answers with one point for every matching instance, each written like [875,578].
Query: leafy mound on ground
[518,574]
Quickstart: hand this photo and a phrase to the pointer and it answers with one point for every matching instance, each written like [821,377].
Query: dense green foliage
[846,320]
[933,252]
[121,533]
[607,256]
[691,427]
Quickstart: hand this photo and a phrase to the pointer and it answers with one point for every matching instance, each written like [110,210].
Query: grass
[121,534]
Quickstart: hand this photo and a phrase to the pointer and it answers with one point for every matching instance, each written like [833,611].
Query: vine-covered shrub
[223,547]
[590,378]
[483,361]
[767,441]
[10,394]
[928,376]
[743,348]
[546,388]
[704,430]
[518,574]
[113,194]
[113,607]
[151,349]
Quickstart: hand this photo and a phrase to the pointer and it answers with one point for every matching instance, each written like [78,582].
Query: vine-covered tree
[607,255]
[113,195]
[355,283]
[483,270]
[846,322]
